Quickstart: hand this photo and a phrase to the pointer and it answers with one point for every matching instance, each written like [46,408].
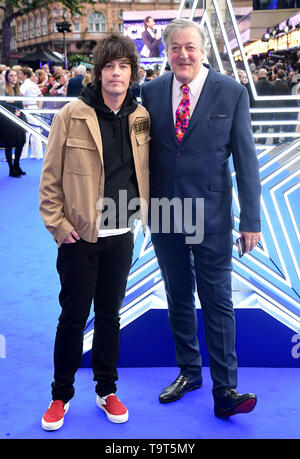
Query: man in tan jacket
[95,167]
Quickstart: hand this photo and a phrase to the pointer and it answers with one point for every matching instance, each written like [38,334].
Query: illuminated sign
[290,40]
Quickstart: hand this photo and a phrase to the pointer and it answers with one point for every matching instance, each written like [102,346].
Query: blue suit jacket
[199,165]
[151,43]
[75,86]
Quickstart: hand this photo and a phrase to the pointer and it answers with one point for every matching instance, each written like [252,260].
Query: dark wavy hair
[114,46]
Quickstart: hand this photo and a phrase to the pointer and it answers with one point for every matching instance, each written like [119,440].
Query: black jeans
[90,271]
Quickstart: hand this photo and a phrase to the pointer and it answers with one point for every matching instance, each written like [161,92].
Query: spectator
[12,135]
[2,75]
[280,85]
[245,82]
[57,68]
[46,92]
[75,83]
[291,79]
[264,88]
[142,74]
[46,69]
[17,68]
[49,84]
[281,88]
[42,78]
[136,86]
[60,86]
[298,62]
[87,79]
[255,77]
[297,93]
[149,75]
[30,89]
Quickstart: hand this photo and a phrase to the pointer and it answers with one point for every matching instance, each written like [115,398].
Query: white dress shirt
[30,89]
[195,90]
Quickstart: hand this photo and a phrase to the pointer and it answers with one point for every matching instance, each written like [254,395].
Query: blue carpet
[276,416]
[28,318]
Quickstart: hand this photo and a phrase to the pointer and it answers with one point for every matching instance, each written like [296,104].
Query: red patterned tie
[183,113]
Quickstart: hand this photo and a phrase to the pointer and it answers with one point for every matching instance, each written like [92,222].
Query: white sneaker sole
[55,425]
[112,418]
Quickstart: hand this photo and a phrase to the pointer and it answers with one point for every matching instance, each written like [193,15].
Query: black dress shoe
[178,388]
[231,403]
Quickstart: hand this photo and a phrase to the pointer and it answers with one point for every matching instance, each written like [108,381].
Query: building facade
[37,30]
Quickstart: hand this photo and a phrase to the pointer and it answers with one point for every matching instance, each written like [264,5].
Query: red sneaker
[113,407]
[53,419]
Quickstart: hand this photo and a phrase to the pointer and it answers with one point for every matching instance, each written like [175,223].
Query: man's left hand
[251,240]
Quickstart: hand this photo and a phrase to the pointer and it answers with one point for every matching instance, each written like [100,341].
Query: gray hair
[81,69]
[178,24]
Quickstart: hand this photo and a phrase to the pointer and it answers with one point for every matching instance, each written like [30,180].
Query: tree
[14,8]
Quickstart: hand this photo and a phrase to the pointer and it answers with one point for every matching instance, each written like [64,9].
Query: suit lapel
[204,101]
[166,110]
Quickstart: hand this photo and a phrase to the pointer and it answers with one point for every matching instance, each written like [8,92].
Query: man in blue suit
[187,164]
[75,84]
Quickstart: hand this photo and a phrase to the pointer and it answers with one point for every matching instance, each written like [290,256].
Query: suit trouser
[207,265]
[90,271]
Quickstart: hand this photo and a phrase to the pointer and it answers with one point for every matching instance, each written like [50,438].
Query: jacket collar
[81,110]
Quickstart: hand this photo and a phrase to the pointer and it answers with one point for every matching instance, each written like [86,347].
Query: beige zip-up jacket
[72,178]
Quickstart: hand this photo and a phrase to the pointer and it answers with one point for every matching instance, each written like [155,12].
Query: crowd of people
[271,77]
[61,82]
[274,79]
[24,81]
[283,75]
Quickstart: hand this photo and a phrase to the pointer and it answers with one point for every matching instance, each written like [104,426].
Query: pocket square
[219,116]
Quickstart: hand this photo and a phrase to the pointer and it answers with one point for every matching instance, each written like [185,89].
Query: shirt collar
[194,84]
